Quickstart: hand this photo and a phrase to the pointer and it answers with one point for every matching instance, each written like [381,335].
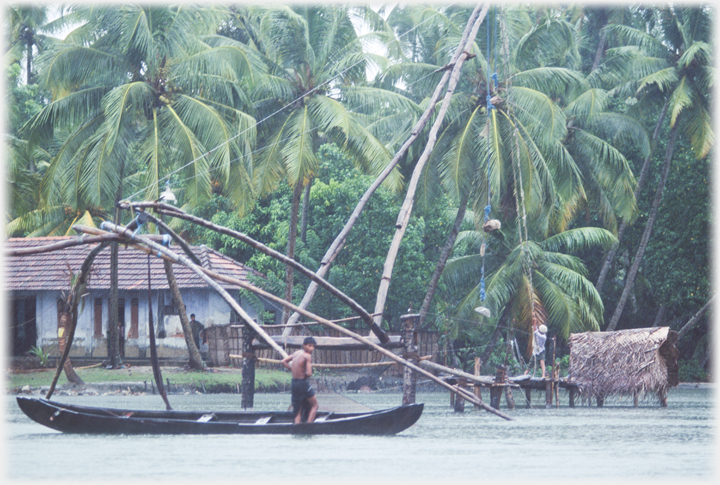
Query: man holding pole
[300,364]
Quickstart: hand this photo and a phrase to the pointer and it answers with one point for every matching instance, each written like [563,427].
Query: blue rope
[482,283]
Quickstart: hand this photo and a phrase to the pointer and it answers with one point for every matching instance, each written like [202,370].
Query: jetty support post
[248,368]
[528,396]
[459,406]
[411,355]
[572,391]
[497,388]
[476,386]
[548,393]
[509,397]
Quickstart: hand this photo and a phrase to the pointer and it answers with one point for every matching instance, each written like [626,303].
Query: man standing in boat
[300,364]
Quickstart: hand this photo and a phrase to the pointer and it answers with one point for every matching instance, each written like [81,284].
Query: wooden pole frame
[356,307]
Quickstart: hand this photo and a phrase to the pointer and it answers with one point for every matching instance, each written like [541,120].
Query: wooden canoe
[92,420]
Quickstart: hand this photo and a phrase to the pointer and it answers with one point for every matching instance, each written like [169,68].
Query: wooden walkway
[499,385]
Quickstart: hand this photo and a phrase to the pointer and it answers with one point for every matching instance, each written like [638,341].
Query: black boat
[91,420]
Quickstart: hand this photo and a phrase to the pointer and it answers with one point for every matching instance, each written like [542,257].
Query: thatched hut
[637,362]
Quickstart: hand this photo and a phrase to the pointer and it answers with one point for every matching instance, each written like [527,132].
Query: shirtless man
[300,364]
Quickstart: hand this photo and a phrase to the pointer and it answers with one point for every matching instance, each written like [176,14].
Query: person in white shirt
[540,335]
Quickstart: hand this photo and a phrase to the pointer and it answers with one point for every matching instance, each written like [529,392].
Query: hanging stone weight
[491,225]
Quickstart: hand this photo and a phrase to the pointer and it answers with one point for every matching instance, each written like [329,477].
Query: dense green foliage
[242,108]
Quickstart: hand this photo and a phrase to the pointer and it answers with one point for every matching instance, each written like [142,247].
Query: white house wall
[207,305]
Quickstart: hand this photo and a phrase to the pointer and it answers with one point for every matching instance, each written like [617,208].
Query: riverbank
[181,380]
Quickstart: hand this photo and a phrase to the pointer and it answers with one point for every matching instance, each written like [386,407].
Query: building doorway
[22,324]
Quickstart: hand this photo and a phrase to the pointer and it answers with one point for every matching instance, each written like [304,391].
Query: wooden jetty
[500,384]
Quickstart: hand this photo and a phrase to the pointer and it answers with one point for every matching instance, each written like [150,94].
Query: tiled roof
[51,270]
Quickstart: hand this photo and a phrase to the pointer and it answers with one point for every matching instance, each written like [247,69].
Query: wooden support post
[548,393]
[528,395]
[411,355]
[600,401]
[248,369]
[663,399]
[459,401]
[496,389]
[476,386]
[635,399]
[556,382]
[509,398]
[572,396]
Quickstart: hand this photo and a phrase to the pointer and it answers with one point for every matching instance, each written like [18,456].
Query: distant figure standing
[300,364]
[198,330]
[540,335]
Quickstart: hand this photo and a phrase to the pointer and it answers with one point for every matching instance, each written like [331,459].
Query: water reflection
[616,441]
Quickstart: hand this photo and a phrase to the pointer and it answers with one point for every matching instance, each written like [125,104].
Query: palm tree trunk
[196,361]
[112,331]
[28,61]
[600,52]
[695,319]
[305,212]
[444,255]
[630,280]
[292,237]
[65,318]
[610,258]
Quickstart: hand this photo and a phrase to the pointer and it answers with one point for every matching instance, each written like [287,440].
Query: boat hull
[90,420]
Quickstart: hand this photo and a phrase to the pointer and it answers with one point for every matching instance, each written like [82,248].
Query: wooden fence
[224,340]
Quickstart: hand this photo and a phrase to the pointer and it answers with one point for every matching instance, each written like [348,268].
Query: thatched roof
[642,361]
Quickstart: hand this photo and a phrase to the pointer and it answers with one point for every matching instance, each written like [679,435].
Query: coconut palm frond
[699,128]
[580,239]
[552,81]
[298,150]
[605,166]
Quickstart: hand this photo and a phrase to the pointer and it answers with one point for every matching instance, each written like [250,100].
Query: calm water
[566,444]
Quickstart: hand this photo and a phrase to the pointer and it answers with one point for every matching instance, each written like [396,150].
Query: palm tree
[678,51]
[27,24]
[555,291]
[545,127]
[315,58]
[143,90]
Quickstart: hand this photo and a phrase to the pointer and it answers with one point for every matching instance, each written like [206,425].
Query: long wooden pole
[74,301]
[209,275]
[356,307]
[77,241]
[355,336]
[337,244]
[200,272]
[154,361]
[407,206]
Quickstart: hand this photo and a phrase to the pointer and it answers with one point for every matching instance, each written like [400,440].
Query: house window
[98,318]
[134,311]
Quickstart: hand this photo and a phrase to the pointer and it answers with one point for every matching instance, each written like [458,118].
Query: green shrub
[691,371]
[41,355]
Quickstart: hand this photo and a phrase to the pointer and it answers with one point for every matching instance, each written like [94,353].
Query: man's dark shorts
[301,390]
[541,355]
